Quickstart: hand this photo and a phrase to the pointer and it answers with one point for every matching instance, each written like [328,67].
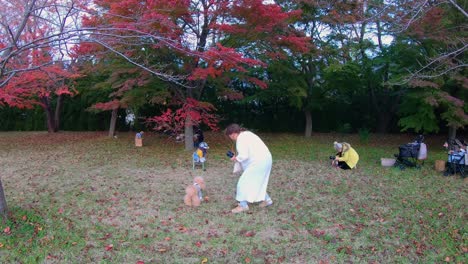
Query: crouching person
[346,157]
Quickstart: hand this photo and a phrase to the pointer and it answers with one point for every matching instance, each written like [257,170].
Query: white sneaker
[239,209]
[266,203]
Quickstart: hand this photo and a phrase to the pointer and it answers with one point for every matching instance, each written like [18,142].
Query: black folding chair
[407,156]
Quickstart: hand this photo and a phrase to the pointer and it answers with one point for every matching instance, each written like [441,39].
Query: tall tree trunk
[308,125]
[452,134]
[58,109]
[188,132]
[383,121]
[113,122]
[49,114]
[3,203]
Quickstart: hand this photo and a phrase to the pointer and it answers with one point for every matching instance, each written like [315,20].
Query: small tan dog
[193,193]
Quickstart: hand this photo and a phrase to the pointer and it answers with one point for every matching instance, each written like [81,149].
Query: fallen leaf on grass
[318,233]
[247,260]
[162,250]
[7,230]
[249,234]
[204,260]
[347,250]
[109,247]
[1,245]
[106,236]
[140,262]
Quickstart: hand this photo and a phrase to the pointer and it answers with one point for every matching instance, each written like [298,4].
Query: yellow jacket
[348,155]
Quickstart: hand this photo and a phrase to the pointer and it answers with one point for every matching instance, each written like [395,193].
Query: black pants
[343,165]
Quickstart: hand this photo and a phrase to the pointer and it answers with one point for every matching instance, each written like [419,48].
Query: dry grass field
[86,198]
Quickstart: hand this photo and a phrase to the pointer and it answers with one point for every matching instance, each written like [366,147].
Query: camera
[332,157]
[229,154]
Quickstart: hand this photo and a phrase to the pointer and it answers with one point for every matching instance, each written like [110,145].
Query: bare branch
[458,7]
[163,76]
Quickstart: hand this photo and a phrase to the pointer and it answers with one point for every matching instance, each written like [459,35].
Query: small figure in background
[139,134]
[346,157]
[180,138]
[199,155]
[197,136]
[139,139]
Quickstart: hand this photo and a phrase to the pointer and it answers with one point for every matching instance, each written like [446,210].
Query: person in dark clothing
[197,137]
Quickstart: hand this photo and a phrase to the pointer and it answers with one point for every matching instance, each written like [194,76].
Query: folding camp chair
[456,164]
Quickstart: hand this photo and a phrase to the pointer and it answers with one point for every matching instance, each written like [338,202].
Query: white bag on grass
[422,155]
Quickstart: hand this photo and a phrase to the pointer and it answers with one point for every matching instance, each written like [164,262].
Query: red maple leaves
[173,122]
[23,89]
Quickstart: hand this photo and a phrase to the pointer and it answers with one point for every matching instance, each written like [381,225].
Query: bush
[364,135]
[345,128]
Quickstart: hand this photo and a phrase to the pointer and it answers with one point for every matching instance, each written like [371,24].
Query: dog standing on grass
[194,193]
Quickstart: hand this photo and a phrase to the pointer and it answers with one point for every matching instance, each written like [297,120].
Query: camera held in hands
[230,154]
[332,157]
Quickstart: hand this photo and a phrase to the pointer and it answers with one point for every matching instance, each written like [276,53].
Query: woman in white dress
[256,162]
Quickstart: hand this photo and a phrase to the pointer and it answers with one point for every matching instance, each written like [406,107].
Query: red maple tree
[34,67]
[41,87]
[208,39]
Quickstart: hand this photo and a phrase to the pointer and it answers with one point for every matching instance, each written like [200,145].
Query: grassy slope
[84,198]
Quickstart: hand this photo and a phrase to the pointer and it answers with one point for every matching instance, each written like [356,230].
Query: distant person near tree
[197,136]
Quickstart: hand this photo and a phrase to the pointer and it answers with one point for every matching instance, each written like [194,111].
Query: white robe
[256,161]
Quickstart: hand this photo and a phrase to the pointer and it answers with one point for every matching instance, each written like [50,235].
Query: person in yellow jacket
[347,157]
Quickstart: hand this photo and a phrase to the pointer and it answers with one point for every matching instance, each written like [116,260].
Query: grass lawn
[85,198]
